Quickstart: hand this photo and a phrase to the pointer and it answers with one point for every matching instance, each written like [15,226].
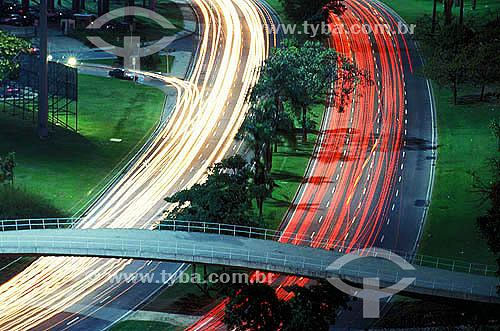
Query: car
[121,74]
[12,19]
[10,92]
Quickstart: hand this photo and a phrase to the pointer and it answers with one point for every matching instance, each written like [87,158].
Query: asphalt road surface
[57,293]
[369,181]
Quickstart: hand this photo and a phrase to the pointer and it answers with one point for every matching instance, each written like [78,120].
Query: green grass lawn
[69,168]
[412,10]
[160,67]
[289,166]
[465,144]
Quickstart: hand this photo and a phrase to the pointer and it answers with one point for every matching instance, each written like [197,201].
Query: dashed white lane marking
[106,298]
[399,179]
[320,219]
[73,320]
[393,206]
[347,235]
[337,178]
[234,147]
[397,193]
[382,238]
[312,236]
[327,204]
[388,221]
[353,219]
[333,190]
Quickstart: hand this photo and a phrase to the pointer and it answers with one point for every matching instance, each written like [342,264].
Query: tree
[299,10]
[448,15]
[314,69]
[495,128]
[256,307]
[434,16]
[259,134]
[314,308]
[461,20]
[253,307]
[485,65]
[489,224]
[447,56]
[226,196]
[75,5]
[10,49]
[7,166]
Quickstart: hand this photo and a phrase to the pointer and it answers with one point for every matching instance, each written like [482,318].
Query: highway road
[370,179]
[56,293]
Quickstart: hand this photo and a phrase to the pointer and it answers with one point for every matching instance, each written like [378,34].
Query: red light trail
[357,163]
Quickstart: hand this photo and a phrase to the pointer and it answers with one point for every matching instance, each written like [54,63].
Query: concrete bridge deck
[266,255]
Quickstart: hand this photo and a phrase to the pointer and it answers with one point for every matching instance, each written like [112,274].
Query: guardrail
[39,223]
[278,262]
[340,246]
[265,234]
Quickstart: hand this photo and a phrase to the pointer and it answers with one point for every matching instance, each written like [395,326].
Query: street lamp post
[43,91]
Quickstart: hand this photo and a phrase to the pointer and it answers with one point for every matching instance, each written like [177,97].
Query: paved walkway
[174,319]
[62,45]
[255,254]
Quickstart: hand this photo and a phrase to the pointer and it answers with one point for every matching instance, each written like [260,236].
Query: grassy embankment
[69,168]
[160,67]
[465,144]
[54,178]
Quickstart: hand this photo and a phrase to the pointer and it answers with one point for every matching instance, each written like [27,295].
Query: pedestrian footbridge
[227,245]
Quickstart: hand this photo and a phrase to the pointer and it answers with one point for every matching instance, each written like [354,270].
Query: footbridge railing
[265,234]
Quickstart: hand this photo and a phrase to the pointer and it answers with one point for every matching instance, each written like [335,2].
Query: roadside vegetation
[462,60]
[70,168]
[293,81]
[256,306]
[155,63]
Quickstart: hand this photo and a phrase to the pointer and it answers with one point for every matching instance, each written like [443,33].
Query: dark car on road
[12,19]
[121,74]
[9,92]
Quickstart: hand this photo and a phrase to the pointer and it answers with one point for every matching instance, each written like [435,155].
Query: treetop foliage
[10,47]
[255,306]
[225,197]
